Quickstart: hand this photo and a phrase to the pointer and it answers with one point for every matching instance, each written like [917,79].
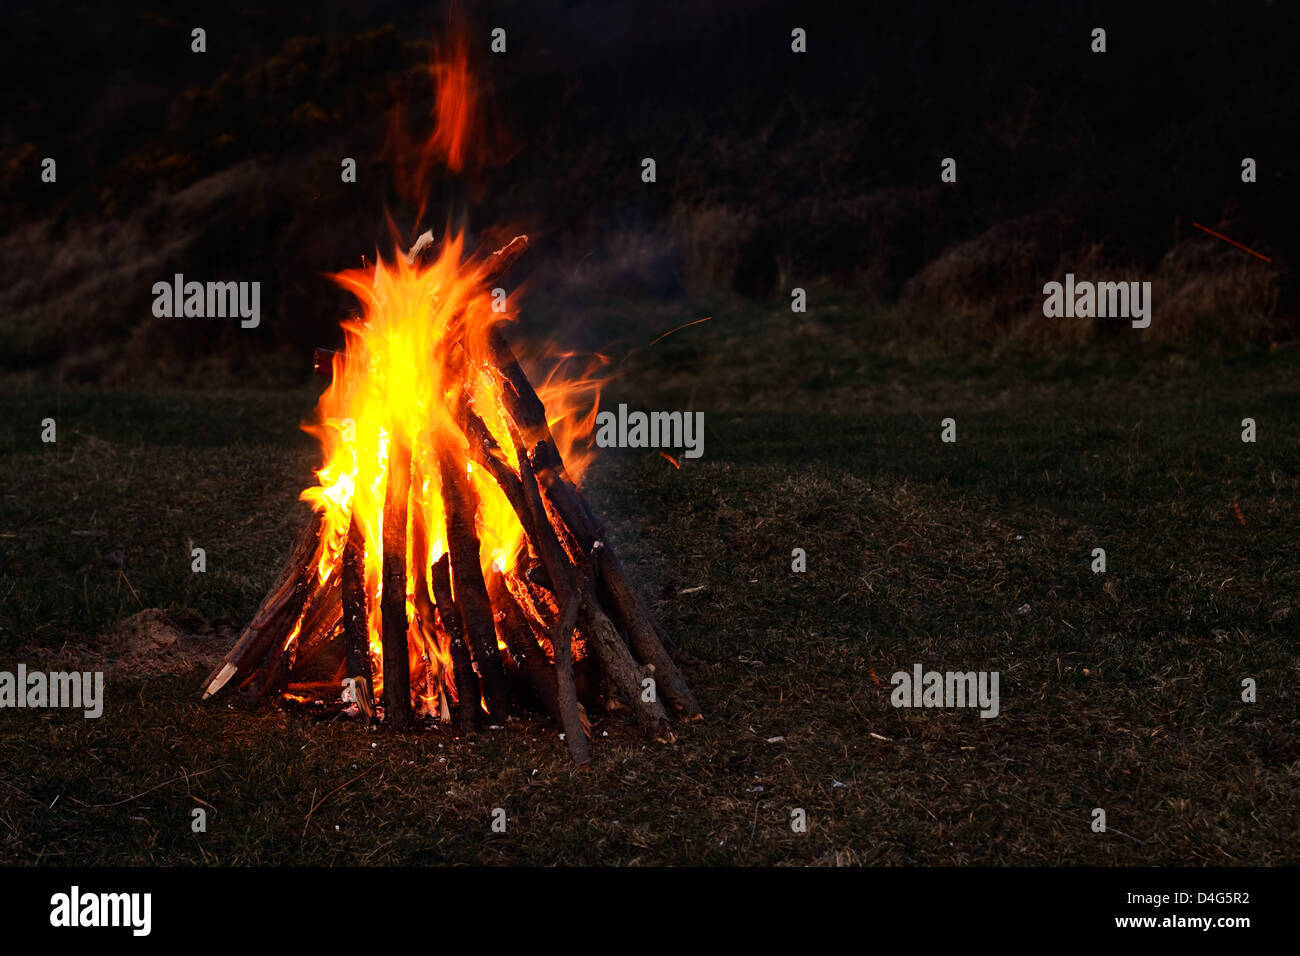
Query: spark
[1233,241]
[679,328]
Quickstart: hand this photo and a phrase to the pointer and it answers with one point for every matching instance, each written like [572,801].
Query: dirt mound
[153,640]
[150,642]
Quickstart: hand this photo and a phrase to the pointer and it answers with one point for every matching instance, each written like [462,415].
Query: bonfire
[452,570]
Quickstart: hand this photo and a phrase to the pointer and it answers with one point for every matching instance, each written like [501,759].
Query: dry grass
[1205,292]
[1118,691]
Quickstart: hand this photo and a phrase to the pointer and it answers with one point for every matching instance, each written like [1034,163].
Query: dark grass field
[1119,690]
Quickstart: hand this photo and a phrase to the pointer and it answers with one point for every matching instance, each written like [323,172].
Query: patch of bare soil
[150,642]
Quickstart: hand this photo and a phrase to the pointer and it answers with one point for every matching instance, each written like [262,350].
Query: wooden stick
[274,676]
[483,448]
[517,392]
[514,627]
[426,622]
[392,604]
[637,619]
[537,575]
[321,689]
[356,622]
[564,581]
[501,260]
[530,415]
[310,634]
[460,505]
[559,570]
[625,675]
[492,269]
[467,692]
[321,621]
[575,731]
[278,613]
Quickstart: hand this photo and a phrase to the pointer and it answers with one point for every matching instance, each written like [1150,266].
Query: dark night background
[775,170]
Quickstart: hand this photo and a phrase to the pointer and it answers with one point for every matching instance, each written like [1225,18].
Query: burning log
[586,528]
[559,570]
[553,573]
[274,675]
[425,623]
[537,575]
[310,689]
[516,631]
[356,634]
[392,606]
[317,635]
[467,692]
[460,504]
[530,416]
[485,451]
[500,261]
[564,584]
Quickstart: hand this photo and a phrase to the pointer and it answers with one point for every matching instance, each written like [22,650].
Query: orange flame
[455,109]
[452,142]
[416,359]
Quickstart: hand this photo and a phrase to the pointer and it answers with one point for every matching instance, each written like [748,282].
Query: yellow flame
[417,354]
